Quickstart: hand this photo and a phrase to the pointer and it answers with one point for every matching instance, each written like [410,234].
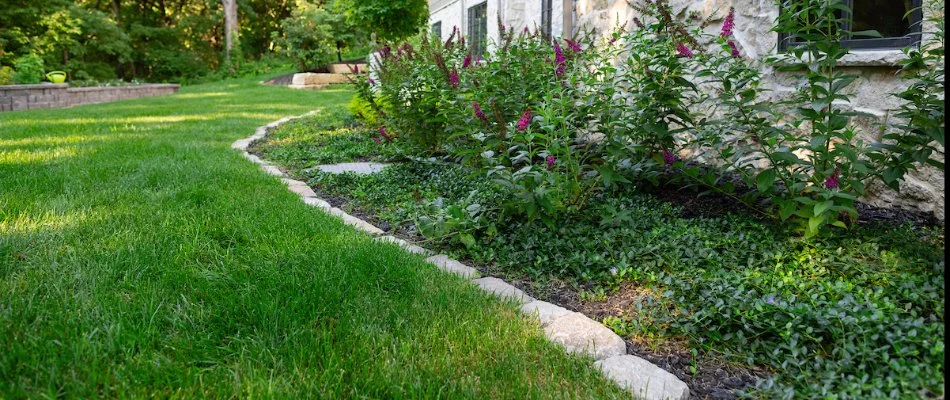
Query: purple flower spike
[683,51]
[467,61]
[668,157]
[729,23]
[454,78]
[550,161]
[382,132]
[559,59]
[525,120]
[371,81]
[478,112]
[735,50]
[575,47]
[832,181]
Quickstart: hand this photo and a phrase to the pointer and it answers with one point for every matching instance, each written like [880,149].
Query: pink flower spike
[729,23]
[525,120]
[668,157]
[550,161]
[371,81]
[454,78]
[467,61]
[382,132]
[735,50]
[683,51]
[575,47]
[478,112]
[832,181]
[558,60]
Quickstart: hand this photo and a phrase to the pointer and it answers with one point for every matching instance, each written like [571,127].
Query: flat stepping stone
[404,244]
[544,311]
[579,334]
[502,289]
[447,264]
[360,168]
[643,378]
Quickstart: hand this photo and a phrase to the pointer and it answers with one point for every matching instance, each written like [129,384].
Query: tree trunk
[230,26]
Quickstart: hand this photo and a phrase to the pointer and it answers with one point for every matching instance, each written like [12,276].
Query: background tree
[389,19]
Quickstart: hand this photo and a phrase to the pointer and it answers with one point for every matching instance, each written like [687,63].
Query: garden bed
[727,302]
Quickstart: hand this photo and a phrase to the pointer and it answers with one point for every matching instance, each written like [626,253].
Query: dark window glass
[478,28]
[884,16]
[546,18]
[437,30]
[896,21]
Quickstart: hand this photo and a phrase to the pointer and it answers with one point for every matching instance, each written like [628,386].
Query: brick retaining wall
[32,97]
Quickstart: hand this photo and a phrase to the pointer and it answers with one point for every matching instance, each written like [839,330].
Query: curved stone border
[574,331]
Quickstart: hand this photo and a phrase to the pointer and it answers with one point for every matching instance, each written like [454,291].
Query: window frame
[435,29]
[478,44]
[547,11]
[911,39]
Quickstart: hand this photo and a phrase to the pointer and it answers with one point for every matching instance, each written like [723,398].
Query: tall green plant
[918,132]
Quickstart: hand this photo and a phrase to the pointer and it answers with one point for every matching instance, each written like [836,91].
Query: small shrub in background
[29,70]
[6,75]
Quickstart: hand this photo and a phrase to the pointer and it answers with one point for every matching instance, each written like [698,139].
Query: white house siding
[922,190]
[517,14]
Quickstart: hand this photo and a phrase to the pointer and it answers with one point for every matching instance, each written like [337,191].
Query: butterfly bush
[623,108]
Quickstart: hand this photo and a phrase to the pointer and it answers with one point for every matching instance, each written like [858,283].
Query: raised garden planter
[47,95]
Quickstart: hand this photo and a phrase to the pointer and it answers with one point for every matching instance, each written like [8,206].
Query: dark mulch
[710,204]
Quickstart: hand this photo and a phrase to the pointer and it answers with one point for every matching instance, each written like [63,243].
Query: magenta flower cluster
[575,47]
[832,181]
[454,79]
[668,157]
[726,32]
[729,24]
[478,112]
[559,60]
[550,160]
[683,51]
[525,120]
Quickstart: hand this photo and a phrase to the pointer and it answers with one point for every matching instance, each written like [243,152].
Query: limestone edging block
[447,264]
[643,378]
[579,334]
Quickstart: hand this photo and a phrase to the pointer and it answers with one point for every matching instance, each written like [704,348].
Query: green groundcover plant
[856,316]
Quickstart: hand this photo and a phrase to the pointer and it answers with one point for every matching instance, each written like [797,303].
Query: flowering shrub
[554,122]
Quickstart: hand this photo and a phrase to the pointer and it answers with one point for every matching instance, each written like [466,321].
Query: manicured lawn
[141,257]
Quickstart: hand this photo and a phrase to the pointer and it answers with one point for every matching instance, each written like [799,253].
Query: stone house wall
[32,97]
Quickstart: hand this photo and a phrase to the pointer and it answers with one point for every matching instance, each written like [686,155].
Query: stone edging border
[574,331]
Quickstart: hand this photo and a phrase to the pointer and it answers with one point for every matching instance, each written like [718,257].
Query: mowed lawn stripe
[140,256]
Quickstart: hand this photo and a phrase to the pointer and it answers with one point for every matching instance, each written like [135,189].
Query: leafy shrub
[6,75]
[921,119]
[312,35]
[29,69]
[364,111]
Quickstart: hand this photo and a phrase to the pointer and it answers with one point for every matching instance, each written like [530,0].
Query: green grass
[141,257]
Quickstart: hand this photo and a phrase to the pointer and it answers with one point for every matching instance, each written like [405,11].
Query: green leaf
[467,239]
[823,206]
[765,179]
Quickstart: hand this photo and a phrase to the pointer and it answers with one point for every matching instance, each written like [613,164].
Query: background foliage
[183,40]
